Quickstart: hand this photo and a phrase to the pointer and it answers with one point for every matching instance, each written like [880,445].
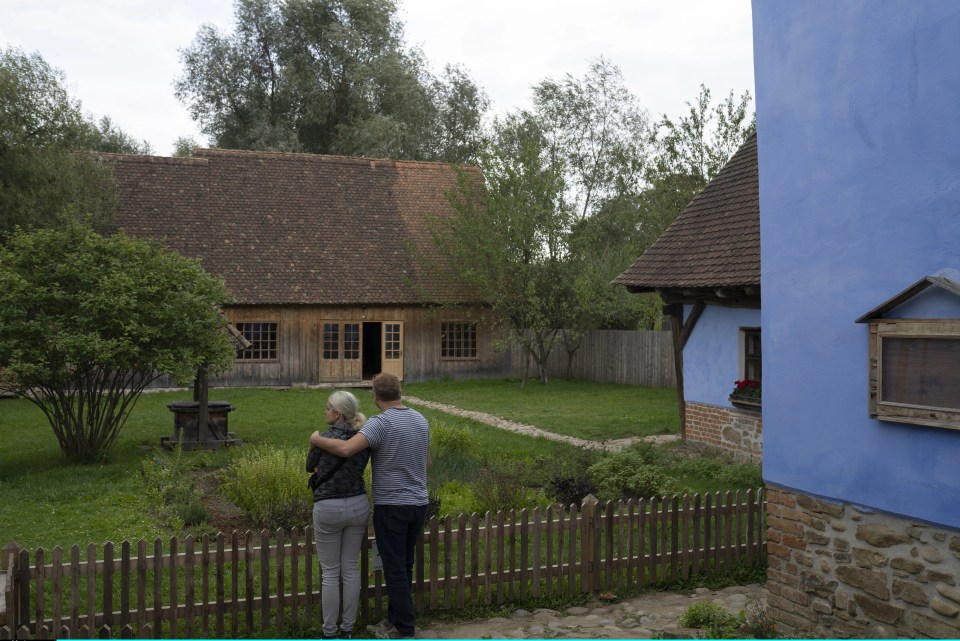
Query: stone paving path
[613,445]
[653,614]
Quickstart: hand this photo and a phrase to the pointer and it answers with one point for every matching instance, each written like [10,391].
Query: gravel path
[613,445]
[650,615]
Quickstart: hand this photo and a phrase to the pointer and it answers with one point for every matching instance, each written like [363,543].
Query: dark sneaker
[346,634]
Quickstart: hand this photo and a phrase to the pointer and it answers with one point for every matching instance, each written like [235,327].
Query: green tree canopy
[41,129]
[327,76]
[87,321]
[505,241]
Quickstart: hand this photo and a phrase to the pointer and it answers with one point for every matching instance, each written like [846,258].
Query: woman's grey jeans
[340,526]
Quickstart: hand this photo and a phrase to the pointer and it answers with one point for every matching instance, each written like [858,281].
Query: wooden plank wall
[643,358]
[261,584]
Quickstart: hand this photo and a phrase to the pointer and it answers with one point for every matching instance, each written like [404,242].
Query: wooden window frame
[744,356]
[468,342]
[886,410]
[254,354]
[330,341]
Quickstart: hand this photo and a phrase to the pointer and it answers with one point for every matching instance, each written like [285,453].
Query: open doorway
[372,349]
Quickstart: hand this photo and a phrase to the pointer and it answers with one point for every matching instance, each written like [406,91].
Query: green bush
[270,485]
[502,485]
[635,472]
[455,498]
[707,615]
[170,481]
[447,438]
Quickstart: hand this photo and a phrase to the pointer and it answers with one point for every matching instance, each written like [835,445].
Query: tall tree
[506,239]
[597,130]
[88,321]
[41,128]
[326,76]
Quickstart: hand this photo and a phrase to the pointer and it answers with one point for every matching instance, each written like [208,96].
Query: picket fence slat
[507,556]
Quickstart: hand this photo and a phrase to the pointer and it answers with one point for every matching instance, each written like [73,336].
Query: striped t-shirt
[399,439]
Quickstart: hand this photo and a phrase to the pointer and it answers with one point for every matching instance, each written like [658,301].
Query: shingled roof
[284,228]
[714,244]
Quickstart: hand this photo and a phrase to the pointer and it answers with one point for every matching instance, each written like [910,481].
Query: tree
[597,130]
[326,76]
[689,153]
[88,321]
[41,128]
[505,242]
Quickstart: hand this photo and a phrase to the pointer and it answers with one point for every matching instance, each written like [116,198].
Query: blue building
[858,114]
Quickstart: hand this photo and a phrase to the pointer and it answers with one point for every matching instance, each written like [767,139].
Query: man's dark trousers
[397,528]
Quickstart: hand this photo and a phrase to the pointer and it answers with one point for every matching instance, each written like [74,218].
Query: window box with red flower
[746,394]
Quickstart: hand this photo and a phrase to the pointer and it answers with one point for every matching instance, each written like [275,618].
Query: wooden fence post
[9,576]
[589,543]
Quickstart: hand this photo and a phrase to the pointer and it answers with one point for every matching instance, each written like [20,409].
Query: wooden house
[860,212]
[706,268]
[321,255]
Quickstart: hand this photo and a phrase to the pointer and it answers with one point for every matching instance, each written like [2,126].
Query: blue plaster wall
[858,114]
[711,358]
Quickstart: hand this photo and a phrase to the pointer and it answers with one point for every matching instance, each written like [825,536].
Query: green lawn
[595,411]
[48,501]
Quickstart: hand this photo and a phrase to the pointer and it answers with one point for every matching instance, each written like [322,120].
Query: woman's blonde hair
[348,406]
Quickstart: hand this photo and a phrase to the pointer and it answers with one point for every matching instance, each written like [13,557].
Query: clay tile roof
[715,241]
[284,228]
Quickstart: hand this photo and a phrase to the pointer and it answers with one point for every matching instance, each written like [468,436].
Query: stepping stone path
[613,445]
[653,614]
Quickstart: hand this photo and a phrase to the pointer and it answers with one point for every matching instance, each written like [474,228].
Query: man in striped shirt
[399,441]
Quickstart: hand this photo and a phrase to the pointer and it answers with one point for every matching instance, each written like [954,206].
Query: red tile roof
[715,241]
[285,228]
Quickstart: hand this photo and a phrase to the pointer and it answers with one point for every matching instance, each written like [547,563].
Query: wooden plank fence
[261,584]
[643,358]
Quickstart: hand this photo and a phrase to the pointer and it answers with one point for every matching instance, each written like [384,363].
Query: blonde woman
[340,514]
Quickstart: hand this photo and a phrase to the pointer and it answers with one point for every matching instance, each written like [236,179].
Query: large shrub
[636,472]
[270,485]
[87,321]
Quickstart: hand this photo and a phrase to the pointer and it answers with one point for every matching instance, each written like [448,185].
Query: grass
[49,501]
[594,411]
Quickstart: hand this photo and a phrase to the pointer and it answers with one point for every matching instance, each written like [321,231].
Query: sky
[120,57]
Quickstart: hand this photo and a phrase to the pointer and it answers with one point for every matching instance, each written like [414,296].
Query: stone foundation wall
[838,571]
[739,432]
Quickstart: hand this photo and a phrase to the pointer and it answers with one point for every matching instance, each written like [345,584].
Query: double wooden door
[352,351]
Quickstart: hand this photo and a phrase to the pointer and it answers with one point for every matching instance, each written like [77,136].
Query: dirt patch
[225,516]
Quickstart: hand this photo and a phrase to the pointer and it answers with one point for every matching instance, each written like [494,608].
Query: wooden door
[340,349]
[392,348]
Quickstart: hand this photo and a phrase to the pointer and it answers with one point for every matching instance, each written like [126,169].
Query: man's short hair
[386,387]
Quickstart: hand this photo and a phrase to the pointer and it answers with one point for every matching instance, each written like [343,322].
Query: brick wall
[739,432]
[839,571]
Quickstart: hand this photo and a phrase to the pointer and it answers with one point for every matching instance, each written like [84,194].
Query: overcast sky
[120,57]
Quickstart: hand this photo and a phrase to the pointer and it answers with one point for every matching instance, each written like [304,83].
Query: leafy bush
[564,477]
[270,486]
[635,472]
[454,498]
[447,438]
[170,480]
[502,485]
[707,615]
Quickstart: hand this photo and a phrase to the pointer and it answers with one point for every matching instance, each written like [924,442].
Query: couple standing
[398,441]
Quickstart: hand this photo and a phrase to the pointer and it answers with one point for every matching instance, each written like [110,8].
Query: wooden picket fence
[268,583]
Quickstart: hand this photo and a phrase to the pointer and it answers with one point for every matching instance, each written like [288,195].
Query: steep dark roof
[285,228]
[715,241]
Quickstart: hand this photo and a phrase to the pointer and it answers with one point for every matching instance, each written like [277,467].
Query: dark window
[458,340]
[351,341]
[391,340]
[263,338]
[921,371]
[752,370]
[331,340]
[914,374]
